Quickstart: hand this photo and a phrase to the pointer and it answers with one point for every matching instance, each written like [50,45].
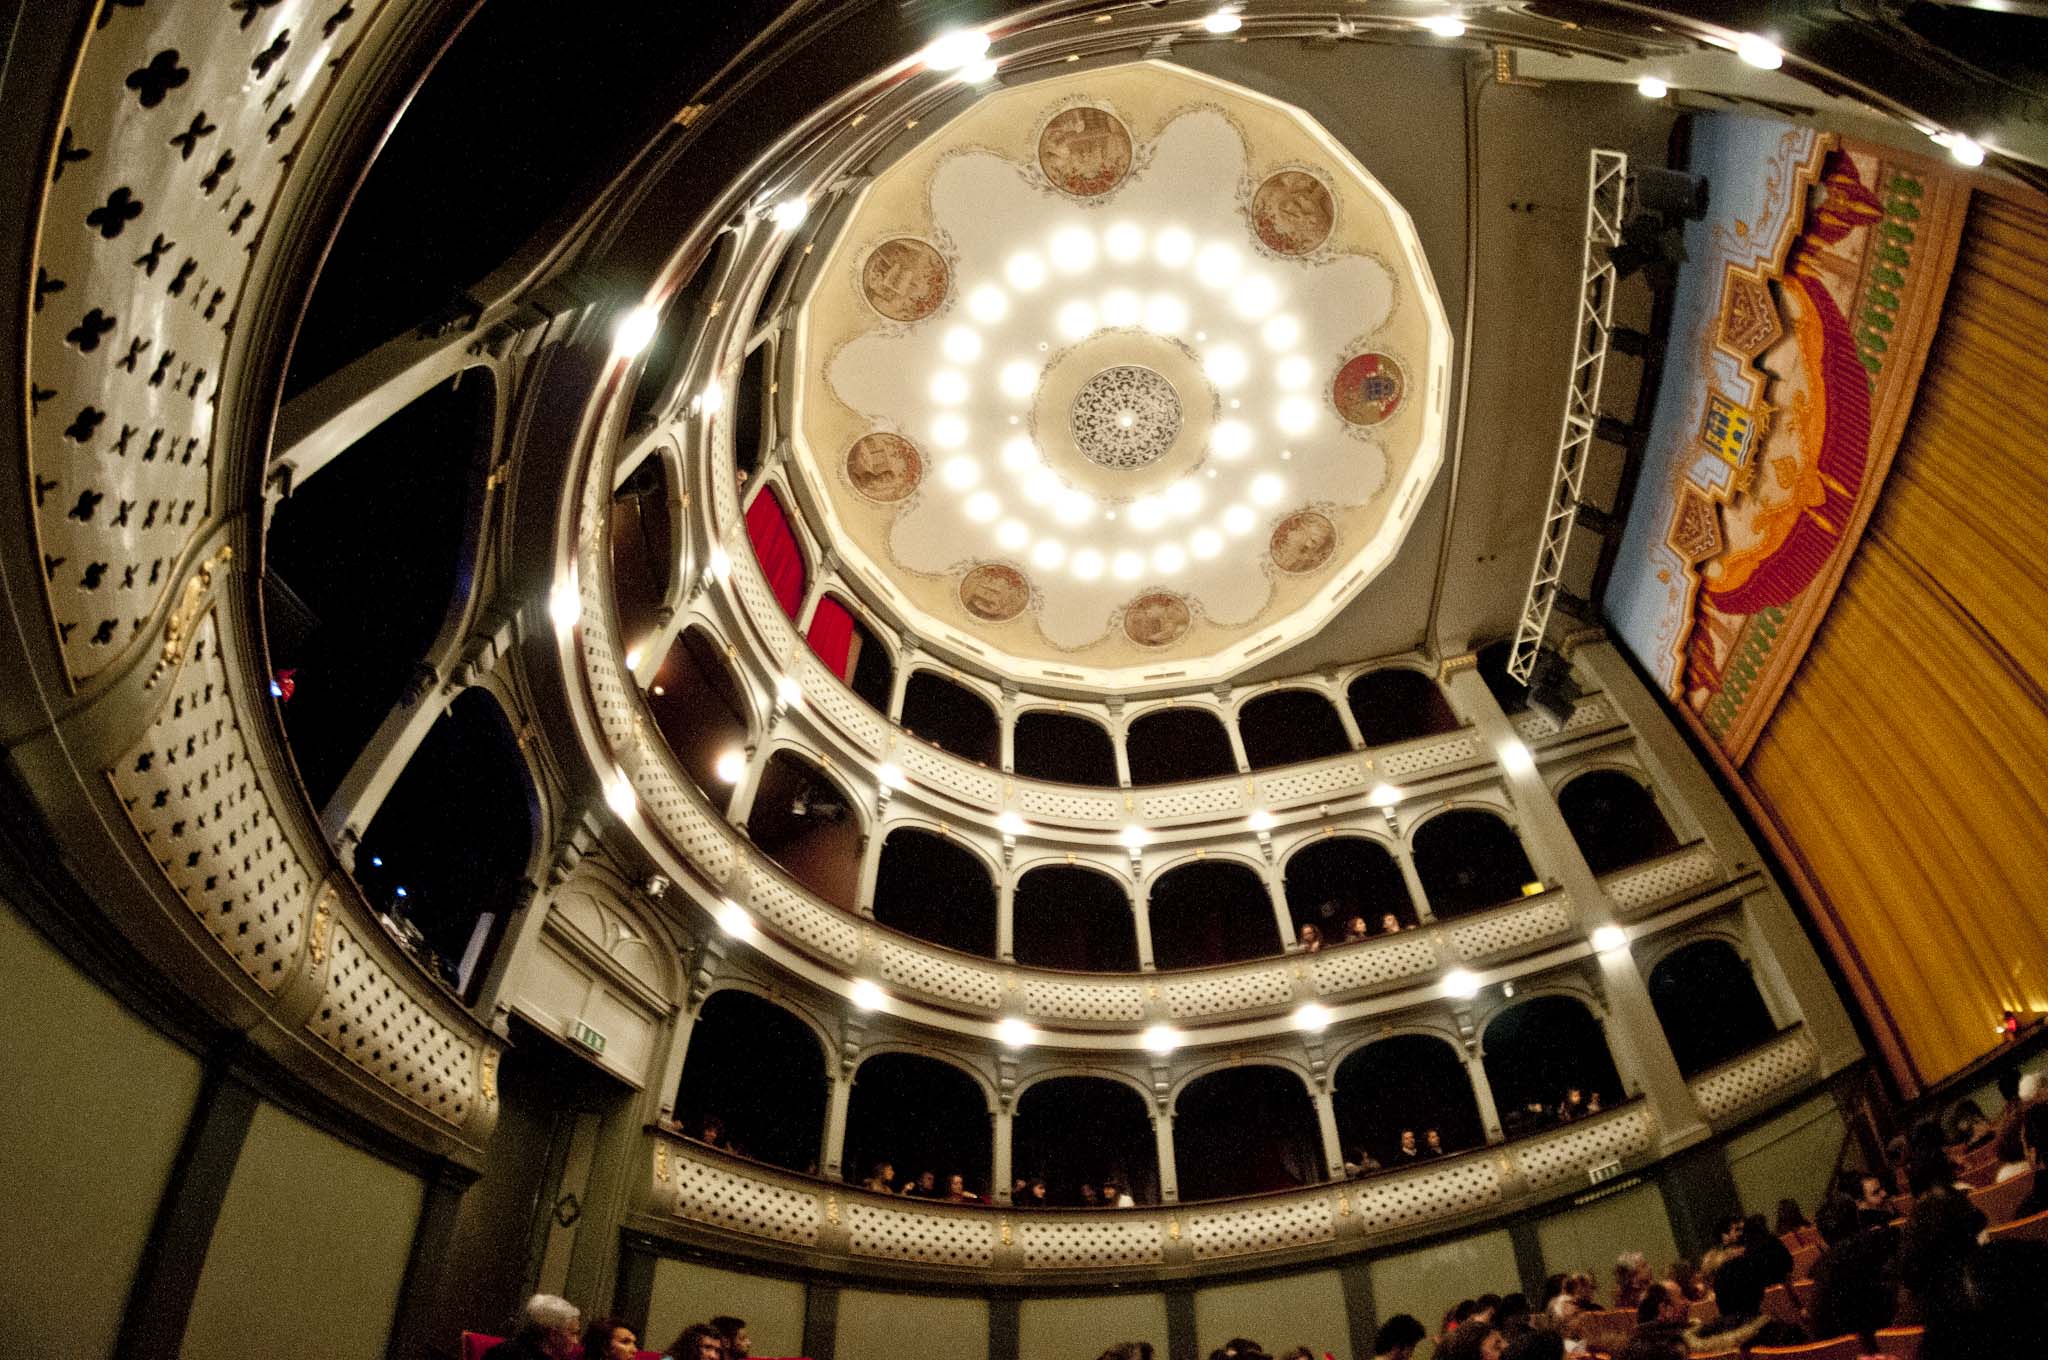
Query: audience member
[1390,924]
[2034,1132]
[1631,1279]
[883,1181]
[733,1331]
[1359,1163]
[1837,1220]
[1873,1205]
[699,1341]
[1128,1350]
[1356,929]
[1727,1245]
[1471,1341]
[1310,939]
[1773,1258]
[1298,1353]
[1663,1312]
[548,1331]
[610,1339]
[1853,1289]
[1688,1280]
[1790,1217]
[2011,1152]
[1407,1151]
[1089,1199]
[1939,1236]
[1739,1293]
[1034,1193]
[957,1191]
[1398,1337]
[1432,1144]
[1572,1107]
[1239,1348]
[1116,1197]
[926,1186]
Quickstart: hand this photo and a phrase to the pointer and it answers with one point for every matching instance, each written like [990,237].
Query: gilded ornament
[323,919]
[184,620]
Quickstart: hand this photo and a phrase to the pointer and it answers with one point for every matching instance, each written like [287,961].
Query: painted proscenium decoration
[1122,376]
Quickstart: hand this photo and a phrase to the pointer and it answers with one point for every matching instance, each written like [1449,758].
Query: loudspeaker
[1670,191]
[1552,690]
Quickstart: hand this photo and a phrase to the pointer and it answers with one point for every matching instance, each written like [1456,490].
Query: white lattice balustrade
[958,983]
[1458,1187]
[928,1237]
[1054,999]
[1341,775]
[1193,800]
[1266,1227]
[1093,1244]
[950,774]
[1068,805]
[1637,887]
[1413,760]
[1566,1154]
[1228,991]
[1354,967]
[724,1199]
[1778,1068]
[369,1017]
[1507,929]
[821,928]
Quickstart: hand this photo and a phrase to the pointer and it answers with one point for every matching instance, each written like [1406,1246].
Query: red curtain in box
[831,636]
[782,562]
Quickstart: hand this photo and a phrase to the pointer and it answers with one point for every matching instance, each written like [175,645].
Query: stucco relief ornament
[1302,542]
[1369,388]
[884,467]
[1085,151]
[184,620]
[904,279]
[1157,618]
[1293,212]
[994,593]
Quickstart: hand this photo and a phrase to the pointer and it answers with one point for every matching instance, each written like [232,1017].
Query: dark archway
[760,1073]
[1539,1050]
[933,888]
[446,855]
[1708,1004]
[747,409]
[1407,1083]
[1331,880]
[1290,725]
[1209,912]
[806,823]
[1244,1131]
[1398,704]
[1469,860]
[851,650]
[699,710]
[1074,1131]
[1511,694]
[1615,820]
[1065,748]
[363,565]
[918,1114]
[1168,745]
[1065,916]
[644,548]
[952,718]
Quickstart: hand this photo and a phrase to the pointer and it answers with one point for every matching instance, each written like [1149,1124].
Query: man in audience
[1398,1337]
[738,1345]
[548,1333]
[1474,1340]
[1311,939]
[1873,1205]
[883,1182]
[1408,1152]
[926,1186]
[1432,1144]
[1739,1293]
[699,1341]
[1663,1312]
[1572,1107]
[1034,1193]
[1534,1345]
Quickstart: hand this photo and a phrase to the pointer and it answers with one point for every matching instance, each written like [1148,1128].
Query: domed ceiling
[1128,377]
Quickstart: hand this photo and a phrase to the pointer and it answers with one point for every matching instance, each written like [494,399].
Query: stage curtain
[831,636]
[1907,765]
[782,561]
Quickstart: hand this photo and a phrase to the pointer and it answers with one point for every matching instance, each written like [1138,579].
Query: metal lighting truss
[1606,201]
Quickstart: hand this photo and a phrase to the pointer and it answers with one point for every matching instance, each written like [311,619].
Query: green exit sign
[586,1036]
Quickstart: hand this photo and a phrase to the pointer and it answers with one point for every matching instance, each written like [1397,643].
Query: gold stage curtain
[1907,764]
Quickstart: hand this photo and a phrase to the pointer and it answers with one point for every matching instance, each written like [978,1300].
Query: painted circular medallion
[1085,151]
[1293,212]
[1302,542]
[1125,417]
[1369,388]
[904,279]
[884,467]
[994,593]
[1159,619]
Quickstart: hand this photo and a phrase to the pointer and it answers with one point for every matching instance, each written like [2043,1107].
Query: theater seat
[1900,1343]
[1841,1348]
[2031,1229]
[1999,1202]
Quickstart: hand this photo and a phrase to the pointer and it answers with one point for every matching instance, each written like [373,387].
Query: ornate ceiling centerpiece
[1120,377]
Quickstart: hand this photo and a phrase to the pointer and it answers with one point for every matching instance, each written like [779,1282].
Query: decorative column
[870,870]
[682,1024]
[1000,1176]
[741,805]
[1162,1139]
[807,611]
[1276,892]
[1141,922]
[1636,1038]
[832,1147]
[1349,719]
[1006,728]
[1006,915]
[1119,736]
[1482,1095]
[906,652]
[1244,764]
[1326,1121]
[370,779]
[1416,896]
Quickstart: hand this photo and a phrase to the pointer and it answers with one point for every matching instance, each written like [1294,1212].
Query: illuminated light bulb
[1965,151]
[1608,939]
[961,473]
[1294,371]
[979,72]
[1217,265]
[1121,308]
[982,507]
[1221,22]
[1651,87]
[962,345]
[731,766]
[1127,565]
[1019,378]
[1075,320]
[1206,543]
[1048,553]
[1168,558]
[734,921]
[1268,489]
[1165,314]
[1255,297]
[987,304]
[1445,25]
[1042,487]
[633,659]
[1237,519]
[1384,796]
[1073,249]
[1295,415]
[1173,247]
[1147,513]
[890,774]
[1124,242]
[951,51]
[788,691]
[1262,820]
[790,213]
[1759,52]
[949,387]
[1074,507]
[1133,838]
[1311,1017]
[720,563]
[1515,758]
[1282,332]
[1230,439]
[712,399]
[1009,823]
[949,432]
[1086,565]
[1184,498]
[1461,984]
[867,996]
[1019,453]
[1025,271]
[1014,1033]
[619,795]
[1225,365]
[635,332]
[1160,1038]
[565,603]
[1012,534]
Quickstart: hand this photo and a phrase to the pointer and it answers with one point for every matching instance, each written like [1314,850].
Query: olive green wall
[687,1292]
[309,1250]
[1792,1153]
[1427,1282]
[77,1207]
[1086,1327]
[1308,1308]
[1589,1236]
[877,1326]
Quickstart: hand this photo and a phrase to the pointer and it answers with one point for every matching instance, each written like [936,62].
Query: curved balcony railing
[1729,1092]
[694,1189]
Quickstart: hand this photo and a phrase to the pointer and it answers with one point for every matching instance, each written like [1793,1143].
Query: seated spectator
[1472,1341]
[713,1132]
[1663,1311]
[1739,1292]
[1772,1257]
[926,1186]
[1114,1196]
[1940,1234]
[1592,1103]
[1837,1220]
[883,1182]
[1852,1287]
[1791,1218]
[2012,1153]
[1686,1278]
[1998,1313]
[1572,1107]
[1310,939]
[1432,1144]
[1873,1205]
[1298,1353]
[1407,1151]
[1631,1279]
[1578,1297]
[957,1191]
[1968,1126]
[733,1331]
[1128,1350]
[1390,924]
[1534,1345]
[1355,930]
[1034,1193]
[1553,1289]
[1239,1348]
[699,1341]
[1727,1245]
[1089,1199]
[1360,1163]
[1398,1337]
[611,1339]
[548,1332]
[2034,1133]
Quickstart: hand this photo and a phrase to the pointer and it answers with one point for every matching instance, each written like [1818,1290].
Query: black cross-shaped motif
[107,9]
[284,120]
[156,439]
[84,424]
[36,397]
[44,486]
[272,54]
[87,333]
[212,178]
[120,448]
[163,365]
[112,217]
[88,505]
[66,155]
[135,347]
[187,141]
[176,287]
[46,285]
[94,573]
[149,259]
[241,216]
[163,74]
[249,9]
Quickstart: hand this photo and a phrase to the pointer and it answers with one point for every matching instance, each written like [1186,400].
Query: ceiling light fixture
[788,692]
[1515,758]
[720,563]
[1121,307]
[565,603]
[1311,1018]
[1238,519]
[1610,939]
[1048,553]
[1445,25]
[949,432]
[1019,378]
[979,72]
[789,214]
[1087,565]
[1230,439]
[1124,242]
[951,51]
[619,795]
[1296,415]
[1963,149]
[982,507]
[1147,513]
[1127,565]
[962,344]
[1221,22]
[1384,796]
[1025,271]
[961,472]
[867,996]
[1133,838]
[712,399]
[1076,320]
[733,920]
[1042,487]
[1073,249]
[1019,453]
[1014,1033]
[634,332]
[1206,543]
[987,304]
[1261,820]
[1184,498]
[1268,489]
[1173,247]
[1012,534]
[1225,365]
[1759,51]
[949,387]
[1009,823]
[1168,558]
[1652,87]
[890,774]
[1255,297]
[731,766]
[1160,1038]
[632,658]
[1461,984]
[1165,314]
[1074,507]
[1217,265]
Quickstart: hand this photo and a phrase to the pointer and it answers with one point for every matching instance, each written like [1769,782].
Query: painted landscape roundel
[884,467]
[994,593]
[1085,151]
[1293,212]
[1369,388]
[1302,542]
[904,279]
[1159,619]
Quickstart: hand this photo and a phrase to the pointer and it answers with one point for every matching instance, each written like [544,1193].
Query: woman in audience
[1311,939]
[1663,1312]
[957,1191]
[1473,1340]
[610,1339]
[699,1341]
[883,1182]
[1631,1279]
[1791,1218]
[1390,924]
[1355,930]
